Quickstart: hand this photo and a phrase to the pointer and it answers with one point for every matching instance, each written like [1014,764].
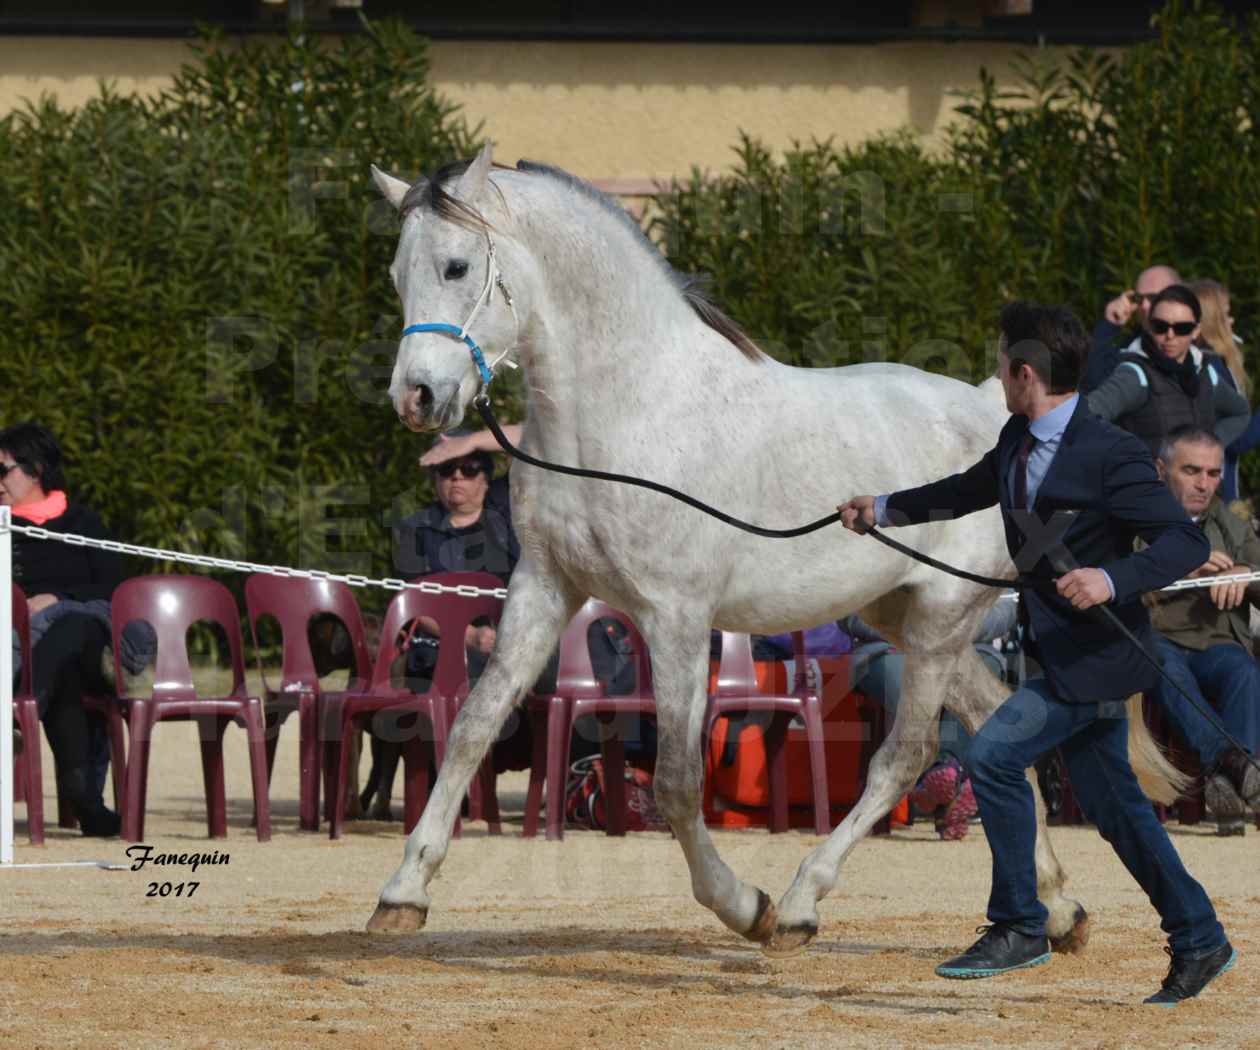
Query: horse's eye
[455,269]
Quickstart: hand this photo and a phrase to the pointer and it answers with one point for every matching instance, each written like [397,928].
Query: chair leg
[559,732]
[308,764]
[117,755]
[211,731]
[814,735]
[537,773]
[415,782]
[776,769]
[337,796]
[28,719]
[137,773]
[255,730]
[490,798]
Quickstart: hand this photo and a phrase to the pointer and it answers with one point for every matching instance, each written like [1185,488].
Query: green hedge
[197,298]
[1060,189]
[196,294]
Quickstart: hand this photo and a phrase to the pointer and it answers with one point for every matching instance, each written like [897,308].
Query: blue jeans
[1093,739]
[1226,673]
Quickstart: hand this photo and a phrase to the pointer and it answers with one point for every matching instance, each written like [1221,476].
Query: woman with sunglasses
[68,590]
[1163,381]
[1216,333]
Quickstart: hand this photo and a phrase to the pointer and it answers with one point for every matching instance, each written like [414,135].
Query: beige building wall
[626,113]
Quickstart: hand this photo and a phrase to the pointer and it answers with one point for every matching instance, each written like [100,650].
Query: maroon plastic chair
[737,691]
[293,602]
[435,708]
[578,692]
[28,777]
[172,604]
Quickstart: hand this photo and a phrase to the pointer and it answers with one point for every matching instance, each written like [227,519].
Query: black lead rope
[1022,583]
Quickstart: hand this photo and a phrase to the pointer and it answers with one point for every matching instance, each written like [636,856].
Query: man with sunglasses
[1162,382]
[1131,305]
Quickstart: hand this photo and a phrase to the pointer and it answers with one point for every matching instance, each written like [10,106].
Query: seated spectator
[1216,334]
[1204,637]
[68,589]
[1163,381]
[469,529]
[1109,335]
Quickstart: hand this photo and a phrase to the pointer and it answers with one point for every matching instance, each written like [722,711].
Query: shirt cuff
[881,512]
[1110,586]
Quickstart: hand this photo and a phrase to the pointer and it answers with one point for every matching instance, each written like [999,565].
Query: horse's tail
[1160,779]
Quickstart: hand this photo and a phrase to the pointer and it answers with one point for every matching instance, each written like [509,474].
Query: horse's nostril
[426,395]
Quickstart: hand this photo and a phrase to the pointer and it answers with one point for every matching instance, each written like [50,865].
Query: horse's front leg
[538,607]
[893,770]
[680,671]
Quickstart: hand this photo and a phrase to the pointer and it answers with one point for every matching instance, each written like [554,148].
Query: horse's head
[444,273]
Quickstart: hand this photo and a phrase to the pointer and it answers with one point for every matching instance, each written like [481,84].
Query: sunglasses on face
[1138,298]
[5,468]
[1161,327]
[466,470]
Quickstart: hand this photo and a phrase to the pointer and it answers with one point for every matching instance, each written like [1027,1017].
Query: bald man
[1129,307]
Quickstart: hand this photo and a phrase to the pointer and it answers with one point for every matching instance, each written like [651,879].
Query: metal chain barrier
[205,561]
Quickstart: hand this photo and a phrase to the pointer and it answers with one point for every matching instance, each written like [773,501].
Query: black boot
[95,819]
[1237,767]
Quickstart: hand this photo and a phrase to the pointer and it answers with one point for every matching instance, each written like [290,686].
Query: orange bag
[737,786]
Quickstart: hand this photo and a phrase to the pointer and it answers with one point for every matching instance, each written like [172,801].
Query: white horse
[630,372]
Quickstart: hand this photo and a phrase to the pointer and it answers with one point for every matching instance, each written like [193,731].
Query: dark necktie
[1021,471]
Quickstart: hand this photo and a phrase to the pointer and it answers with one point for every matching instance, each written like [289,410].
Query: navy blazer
[1108,476]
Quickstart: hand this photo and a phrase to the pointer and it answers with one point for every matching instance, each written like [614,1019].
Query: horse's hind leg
[680,671]
[893,770]
[537,609]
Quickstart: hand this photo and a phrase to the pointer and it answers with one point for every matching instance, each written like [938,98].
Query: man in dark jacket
[1205,637]
[1053,456]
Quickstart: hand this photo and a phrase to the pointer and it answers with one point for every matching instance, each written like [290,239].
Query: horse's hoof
[397,918]
[767,918]
[1075,940]
[789,940]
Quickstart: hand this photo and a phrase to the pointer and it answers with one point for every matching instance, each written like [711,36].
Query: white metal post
[7,787]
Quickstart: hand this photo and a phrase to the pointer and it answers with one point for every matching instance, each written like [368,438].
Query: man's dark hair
[36,451]
[1187,432]
[1178,293]
[1049,340]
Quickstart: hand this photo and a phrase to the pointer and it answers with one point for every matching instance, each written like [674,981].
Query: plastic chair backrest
[737,676]
[575,676]
[171,605]
[293,601]
[453,613]
[22,624]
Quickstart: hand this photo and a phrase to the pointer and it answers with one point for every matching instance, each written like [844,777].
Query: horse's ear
[473,181]
[392,189]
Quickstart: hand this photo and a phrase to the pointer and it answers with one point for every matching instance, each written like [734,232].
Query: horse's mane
[431,194]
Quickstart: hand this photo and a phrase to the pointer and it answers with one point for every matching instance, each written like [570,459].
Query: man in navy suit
[1054,456]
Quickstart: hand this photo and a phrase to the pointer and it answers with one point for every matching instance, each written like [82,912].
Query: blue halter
[449,329]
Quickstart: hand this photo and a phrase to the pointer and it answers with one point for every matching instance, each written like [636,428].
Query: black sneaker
[1190,973]
[999,951]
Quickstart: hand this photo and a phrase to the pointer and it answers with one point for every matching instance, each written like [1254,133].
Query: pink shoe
[958,816]
[937,787]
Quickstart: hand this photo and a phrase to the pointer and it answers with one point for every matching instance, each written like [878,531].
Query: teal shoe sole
[1229,965]
[962,973]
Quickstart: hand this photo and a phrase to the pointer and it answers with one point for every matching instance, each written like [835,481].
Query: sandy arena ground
[592,941]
